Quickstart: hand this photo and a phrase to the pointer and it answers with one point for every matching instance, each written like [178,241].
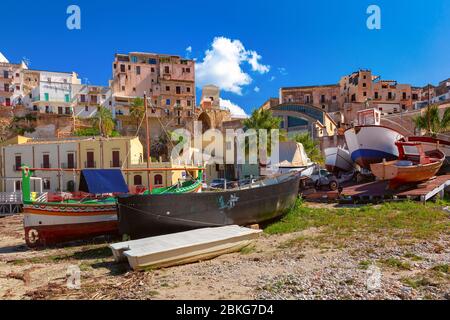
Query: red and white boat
[413,166]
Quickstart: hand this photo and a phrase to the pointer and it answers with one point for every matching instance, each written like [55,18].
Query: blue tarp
[102,181]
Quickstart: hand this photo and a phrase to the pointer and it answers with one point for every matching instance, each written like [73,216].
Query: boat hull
[151,215]
[430,144]
[338,159]
[371,144]
[49,224]
[401,175]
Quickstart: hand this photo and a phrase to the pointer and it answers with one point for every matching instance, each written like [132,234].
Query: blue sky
[295,42]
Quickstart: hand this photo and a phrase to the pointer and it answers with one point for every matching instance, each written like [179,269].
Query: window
[137,180]
[178,103]
[67,98]
[322,98]
[189,113]
[122,68]
[389,95]
[158,179]
[6,87]
[152,61]
[188,70]
[46,97]
[179,121]
[60,110]
[353,97]
[167,88]
[45,161]
[365,94]
[71,186]
[115,163]
[90,163]
[46,184]
[5,74]
[68,111]
[18,163]
[166,69]
[115,65]
[188,89]
[404,95]
[376,95]
[334,97]
[18,185]
[364,84]
[70,161]
[188,102]
[178,90]
[86,108]
[123,88]
[138,70]
[167,102]
[82,98]
[134,59]
[129,67]
[153,69]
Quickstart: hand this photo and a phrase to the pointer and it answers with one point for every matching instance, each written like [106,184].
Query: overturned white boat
[338,159]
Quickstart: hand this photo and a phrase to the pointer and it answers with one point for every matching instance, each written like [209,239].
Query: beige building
[124,153]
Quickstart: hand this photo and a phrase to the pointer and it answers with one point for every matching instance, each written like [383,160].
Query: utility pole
[147,141]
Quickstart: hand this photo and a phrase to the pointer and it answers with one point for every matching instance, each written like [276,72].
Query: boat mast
[147,140]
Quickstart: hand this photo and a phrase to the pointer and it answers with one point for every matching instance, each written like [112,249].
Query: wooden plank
[183,247]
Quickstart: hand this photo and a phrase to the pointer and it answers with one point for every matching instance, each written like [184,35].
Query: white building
[10,82]
[87,98]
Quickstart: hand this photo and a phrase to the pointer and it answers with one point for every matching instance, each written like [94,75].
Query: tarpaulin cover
[102,181]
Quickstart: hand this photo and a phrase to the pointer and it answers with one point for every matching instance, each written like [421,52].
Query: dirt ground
[271,268]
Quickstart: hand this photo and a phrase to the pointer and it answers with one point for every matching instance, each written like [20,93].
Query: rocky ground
[299,265]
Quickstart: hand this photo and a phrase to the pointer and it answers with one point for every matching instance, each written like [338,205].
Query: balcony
[90,164]
[6,93]
[8,78]
[115,164]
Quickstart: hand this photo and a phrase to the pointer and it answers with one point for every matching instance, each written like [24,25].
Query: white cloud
[235,110]
[3,58]
[283,71]
[189,49]
[256,66]
[272,78]
[221,65]
[256,89]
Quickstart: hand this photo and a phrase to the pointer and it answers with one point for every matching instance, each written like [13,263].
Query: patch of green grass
[410,219]
[153,293]
[416,283]
[364,264]
[413,256]
[444,268]
[396,263]
[247,249]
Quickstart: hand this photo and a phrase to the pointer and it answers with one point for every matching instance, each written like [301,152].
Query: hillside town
[90,188]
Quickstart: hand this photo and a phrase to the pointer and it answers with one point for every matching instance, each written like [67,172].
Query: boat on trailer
[143,216]
[413,166]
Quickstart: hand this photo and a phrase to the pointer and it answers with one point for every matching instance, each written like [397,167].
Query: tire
[333,185]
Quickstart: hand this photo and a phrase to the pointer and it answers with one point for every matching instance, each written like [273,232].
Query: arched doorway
[205,120]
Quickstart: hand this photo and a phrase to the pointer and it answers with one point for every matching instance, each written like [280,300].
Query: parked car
[323,177]
[222,184]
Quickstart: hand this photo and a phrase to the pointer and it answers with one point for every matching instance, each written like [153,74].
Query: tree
[431,122]
[263,119]
[104,121]
[137,110]
[310,145]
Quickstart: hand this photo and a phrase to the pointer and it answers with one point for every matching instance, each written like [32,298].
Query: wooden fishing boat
[414,165]
[50,220]
[143,216]
[430,144]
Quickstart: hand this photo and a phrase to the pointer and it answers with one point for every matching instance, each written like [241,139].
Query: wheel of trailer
[333,185]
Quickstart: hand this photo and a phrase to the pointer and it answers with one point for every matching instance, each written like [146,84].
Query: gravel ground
[274,267]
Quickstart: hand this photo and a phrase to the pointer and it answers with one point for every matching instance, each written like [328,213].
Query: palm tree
[104,121]
[311,147]
[431,122]
[263,119]
[137,110]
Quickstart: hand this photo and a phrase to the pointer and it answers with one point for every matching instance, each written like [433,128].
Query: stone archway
[206,121]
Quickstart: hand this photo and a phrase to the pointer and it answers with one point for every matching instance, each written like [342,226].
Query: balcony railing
[115,164]
[90,164]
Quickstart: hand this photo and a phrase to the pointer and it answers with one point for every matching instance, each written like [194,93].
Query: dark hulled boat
[149,215]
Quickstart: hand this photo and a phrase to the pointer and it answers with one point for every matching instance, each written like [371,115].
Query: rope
[167,217]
